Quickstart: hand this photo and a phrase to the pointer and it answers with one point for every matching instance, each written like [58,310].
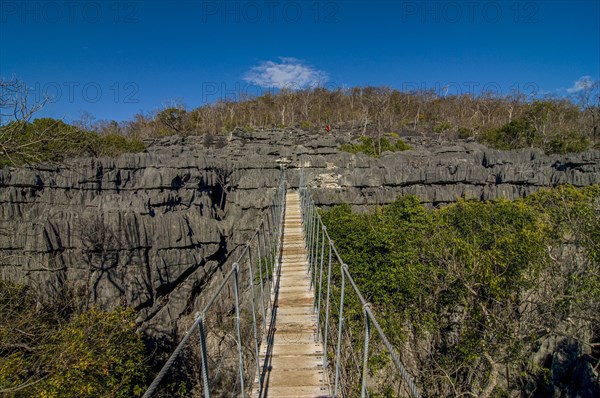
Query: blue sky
[117,58]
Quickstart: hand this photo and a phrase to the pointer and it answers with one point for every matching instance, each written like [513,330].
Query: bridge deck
[291,361]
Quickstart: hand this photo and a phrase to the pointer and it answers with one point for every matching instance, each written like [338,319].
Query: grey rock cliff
[154,230]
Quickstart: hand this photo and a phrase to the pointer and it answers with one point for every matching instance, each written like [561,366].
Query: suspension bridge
[275,325]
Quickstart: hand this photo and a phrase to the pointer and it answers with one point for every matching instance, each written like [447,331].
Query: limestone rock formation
[153,230]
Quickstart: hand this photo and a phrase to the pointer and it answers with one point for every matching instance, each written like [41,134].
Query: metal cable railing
[246,319]
[340,349]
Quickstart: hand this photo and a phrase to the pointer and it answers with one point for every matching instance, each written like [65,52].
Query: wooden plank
[294,360]
[295,392]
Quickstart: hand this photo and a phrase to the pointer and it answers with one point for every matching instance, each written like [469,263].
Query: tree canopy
[479,286]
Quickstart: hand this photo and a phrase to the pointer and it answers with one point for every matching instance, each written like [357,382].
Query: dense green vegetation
[50,140]
[53,350]
[531,130]
[375,148]
[477,287]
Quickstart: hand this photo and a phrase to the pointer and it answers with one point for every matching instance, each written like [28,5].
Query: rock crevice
[152,230]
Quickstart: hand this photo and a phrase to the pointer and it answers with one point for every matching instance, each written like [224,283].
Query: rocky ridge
[153,230]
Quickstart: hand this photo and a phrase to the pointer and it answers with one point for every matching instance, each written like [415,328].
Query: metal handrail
[267,238]
[318,238]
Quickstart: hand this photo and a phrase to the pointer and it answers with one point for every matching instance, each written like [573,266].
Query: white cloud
[287,73]
[581,84]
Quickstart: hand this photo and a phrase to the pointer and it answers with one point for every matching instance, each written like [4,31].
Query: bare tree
[382,102]
[15,101]
[589,100]
[85,122]
[16,110]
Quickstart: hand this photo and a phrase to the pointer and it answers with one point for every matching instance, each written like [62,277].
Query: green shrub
[464,132]
[568,142]
[113,145]
[538,128]
[96,354]
[371,147]
[440,128]
[306,125]
[45,351]
[516,134]
[365,146]
[399,145]
[51,140]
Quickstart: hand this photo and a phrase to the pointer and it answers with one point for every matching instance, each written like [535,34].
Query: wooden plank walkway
[291,360]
